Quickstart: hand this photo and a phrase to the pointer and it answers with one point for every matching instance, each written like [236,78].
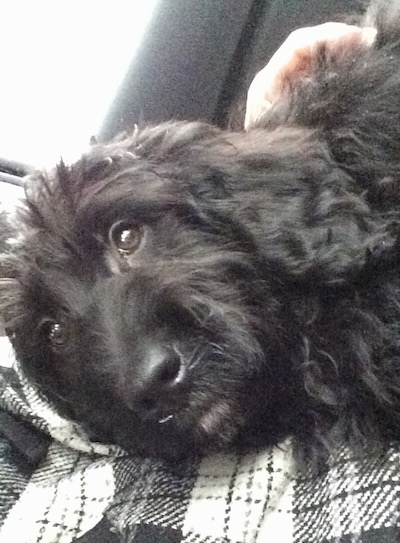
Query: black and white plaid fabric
[57,487]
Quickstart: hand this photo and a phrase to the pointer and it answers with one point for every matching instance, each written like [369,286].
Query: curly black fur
[262,298]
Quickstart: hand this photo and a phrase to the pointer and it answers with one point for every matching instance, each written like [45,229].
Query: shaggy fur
[188,288]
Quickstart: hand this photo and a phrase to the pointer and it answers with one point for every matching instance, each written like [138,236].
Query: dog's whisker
[220,349]
[166,419]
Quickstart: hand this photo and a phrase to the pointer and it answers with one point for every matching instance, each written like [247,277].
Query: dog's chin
[181,434]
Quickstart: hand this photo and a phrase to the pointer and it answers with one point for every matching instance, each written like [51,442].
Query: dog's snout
[164,372]
[159,381]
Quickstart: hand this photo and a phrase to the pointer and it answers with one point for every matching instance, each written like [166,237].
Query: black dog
[189,288]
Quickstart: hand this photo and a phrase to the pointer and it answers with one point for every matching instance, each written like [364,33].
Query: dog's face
[138,307]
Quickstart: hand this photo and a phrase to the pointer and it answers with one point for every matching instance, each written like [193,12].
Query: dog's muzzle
[158,390]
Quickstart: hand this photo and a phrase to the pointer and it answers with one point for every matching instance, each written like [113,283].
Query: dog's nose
[163,371]
[159,381]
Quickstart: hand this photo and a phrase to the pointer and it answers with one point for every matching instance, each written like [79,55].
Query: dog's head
[174,290]
[137,307]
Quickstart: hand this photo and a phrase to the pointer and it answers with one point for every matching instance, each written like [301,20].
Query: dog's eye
[54,333]
[126,237]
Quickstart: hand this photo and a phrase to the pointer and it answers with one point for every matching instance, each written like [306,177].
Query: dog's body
[188,288]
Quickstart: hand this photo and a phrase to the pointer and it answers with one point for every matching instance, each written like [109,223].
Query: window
[61,64]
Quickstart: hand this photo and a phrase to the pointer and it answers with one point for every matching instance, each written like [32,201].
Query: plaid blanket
[58,487]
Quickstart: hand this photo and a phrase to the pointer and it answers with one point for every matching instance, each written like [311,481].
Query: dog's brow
[71,293]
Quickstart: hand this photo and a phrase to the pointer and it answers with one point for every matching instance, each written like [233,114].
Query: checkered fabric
[58,487]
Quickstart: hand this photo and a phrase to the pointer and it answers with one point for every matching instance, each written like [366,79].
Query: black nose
[159,381]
